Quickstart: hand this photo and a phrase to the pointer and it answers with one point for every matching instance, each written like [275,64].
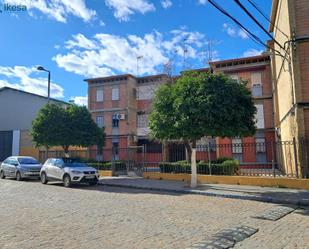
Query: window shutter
[100,95]
[259,116]
[256,79]
[115,94]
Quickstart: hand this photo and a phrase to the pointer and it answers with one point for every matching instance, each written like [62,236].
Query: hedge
[119,165]
[227,167]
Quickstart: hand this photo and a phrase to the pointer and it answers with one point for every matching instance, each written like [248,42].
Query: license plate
[89,177]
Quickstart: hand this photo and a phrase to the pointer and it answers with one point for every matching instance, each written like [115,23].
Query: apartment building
[290,28]
[256,71]
[122,103]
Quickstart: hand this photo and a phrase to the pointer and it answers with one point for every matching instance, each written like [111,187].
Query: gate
[6,140]
[136,160]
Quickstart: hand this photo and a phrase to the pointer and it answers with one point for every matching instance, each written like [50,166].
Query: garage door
[6,139]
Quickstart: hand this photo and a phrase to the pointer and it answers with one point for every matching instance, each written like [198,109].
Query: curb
[299,203]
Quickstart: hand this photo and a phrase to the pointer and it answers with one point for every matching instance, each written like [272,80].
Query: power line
[266,17]
[257,22]
[251,35]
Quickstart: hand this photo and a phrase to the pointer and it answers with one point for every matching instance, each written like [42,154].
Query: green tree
[65,127]
[202,104]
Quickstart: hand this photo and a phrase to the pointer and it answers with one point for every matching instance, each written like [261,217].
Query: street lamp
[40,68]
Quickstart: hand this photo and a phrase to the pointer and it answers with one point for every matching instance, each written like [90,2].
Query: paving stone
[227,238]
[275,213]
[41,216]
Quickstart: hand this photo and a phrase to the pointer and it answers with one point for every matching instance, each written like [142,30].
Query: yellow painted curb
[106,173]
[236,180]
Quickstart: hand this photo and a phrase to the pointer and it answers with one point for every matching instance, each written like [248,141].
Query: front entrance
[136,159]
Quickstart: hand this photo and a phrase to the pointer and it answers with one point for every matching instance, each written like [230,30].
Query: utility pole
[138,57]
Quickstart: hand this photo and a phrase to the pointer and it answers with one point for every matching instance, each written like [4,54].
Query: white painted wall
[15,143]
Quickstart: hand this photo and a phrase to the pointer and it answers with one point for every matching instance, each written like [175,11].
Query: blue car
[20,167]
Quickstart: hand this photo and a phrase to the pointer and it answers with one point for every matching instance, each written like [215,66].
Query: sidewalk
[264,194]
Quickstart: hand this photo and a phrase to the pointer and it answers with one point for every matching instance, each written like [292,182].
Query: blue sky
[94,38]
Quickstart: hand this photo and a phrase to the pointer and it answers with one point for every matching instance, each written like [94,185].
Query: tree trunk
[66,150]
[165,151]
[189,151]
[193,165]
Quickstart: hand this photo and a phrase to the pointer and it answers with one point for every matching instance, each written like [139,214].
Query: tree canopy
[199,105]
[202,104]
[71,126]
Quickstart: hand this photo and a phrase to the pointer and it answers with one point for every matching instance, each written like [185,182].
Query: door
[11,167]
[49,168]
[6,167]
[6,140]
[58,168]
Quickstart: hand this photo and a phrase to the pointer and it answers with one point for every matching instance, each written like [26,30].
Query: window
[204,142]
[260,145]
[100,95]
[115,150]
[115,123]
[142,121]
[256,80]
[115,93]
[236,146]
[100,121]
[259,116]
[237,149]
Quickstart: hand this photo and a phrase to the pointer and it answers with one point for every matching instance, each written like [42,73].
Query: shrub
[119,165]
[231,167]
[220,160]
[228,167]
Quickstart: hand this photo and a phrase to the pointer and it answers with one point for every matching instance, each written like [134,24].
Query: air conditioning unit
[119,116]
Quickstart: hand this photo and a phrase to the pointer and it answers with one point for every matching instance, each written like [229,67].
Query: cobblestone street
[51,216]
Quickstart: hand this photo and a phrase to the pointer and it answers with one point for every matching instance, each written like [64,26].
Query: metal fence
[273,159]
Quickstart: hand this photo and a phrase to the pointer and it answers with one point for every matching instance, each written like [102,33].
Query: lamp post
[40,68]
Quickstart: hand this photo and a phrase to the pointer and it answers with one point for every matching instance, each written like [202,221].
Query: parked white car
[20,167]
[68,170]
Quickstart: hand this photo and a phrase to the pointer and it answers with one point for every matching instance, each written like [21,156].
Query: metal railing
[270,159]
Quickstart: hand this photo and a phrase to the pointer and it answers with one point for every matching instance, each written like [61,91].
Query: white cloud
[166,4]
[124,8]
[202,1]
[28,79]
[115,54]
[234,32]
[243,34]
[102,24]
[80,41]
[252,52]
[80,100]
[58,10]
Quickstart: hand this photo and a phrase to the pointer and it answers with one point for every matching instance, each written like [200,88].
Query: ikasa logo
[13,8]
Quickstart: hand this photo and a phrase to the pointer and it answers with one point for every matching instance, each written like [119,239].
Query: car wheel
[93,183]
[18,176]
[67,181]
[44,178]
[2,176]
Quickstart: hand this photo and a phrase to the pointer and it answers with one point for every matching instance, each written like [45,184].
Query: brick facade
[135,100]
